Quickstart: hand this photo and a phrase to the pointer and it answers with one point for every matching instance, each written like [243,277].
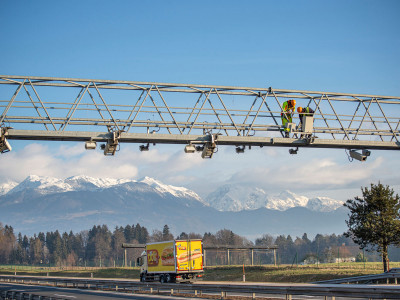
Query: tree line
[100,246]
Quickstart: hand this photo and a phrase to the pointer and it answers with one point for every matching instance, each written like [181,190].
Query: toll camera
[4,145]
[360,156]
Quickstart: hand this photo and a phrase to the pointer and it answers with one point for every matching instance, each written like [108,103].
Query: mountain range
[46,204]
[238,198]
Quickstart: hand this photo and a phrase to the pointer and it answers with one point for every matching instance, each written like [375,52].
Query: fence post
[126,263]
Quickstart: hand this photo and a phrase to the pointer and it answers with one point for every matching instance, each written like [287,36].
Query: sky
[339,46]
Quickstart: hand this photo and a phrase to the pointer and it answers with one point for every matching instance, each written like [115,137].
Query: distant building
[345,259]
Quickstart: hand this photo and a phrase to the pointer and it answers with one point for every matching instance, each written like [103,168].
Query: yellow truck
[172,261]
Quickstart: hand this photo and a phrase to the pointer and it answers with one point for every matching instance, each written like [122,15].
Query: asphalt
[68,293]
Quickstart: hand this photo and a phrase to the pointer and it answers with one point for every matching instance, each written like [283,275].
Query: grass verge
[289,274]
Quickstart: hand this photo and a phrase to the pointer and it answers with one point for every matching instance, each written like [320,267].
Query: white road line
[64,296]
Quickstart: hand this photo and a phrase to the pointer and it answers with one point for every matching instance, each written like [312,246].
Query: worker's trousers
[286,119]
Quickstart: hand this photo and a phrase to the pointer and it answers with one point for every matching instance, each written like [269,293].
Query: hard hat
[292,102]
[299,109]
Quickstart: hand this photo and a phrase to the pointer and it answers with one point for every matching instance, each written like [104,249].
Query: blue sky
[340,46]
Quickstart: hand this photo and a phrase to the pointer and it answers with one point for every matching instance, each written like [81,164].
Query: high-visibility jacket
[307,111]
[286,108]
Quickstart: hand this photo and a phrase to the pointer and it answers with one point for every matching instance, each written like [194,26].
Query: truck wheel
[168,278]
[162,279]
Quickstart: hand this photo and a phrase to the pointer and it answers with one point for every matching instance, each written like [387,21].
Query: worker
[287,113]
[304,111]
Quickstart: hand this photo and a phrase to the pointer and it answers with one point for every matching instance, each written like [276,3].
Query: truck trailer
[172,261]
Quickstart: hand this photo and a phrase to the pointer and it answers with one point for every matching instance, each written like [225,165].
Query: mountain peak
[174,190]
[6,187]
[42,184]
[323,204]
[236,198]
[50,185]
[83,182]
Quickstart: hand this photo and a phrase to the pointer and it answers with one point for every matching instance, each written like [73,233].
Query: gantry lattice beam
[111,111]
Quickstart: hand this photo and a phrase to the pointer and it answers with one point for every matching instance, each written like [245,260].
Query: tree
[166,234]
[265,240]
[182,236]
[156,236]
[7,243]
[374,220]
[99,244]
[361,258]
[36,251]
[129,233]
[118,239]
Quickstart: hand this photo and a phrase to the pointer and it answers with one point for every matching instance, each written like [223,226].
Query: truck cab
[142,263]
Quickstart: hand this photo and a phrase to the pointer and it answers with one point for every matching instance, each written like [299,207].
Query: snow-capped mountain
[286,200]
[77,203]
[176,191]
[236,198]
[232,198]
[323,204]
[49,185]
[42,184]
[6,187]
[82,182]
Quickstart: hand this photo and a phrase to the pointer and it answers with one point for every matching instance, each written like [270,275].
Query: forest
[102,247]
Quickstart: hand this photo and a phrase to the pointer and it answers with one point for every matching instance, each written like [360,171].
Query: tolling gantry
[201,117]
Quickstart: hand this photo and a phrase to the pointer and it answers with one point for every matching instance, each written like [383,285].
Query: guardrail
[392,276]
[253,290]
[11,295]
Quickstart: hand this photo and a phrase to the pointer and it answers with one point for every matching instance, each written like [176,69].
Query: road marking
[64,296]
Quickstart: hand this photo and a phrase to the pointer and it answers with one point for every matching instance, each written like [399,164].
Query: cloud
[64,162]
[69,160]
[69,151]
[181,161]
[132,153]
[32,159]
[310,174]
[272,169]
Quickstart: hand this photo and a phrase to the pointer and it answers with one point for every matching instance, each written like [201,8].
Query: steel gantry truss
[198,116]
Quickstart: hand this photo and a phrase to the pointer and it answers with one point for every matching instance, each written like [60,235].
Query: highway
[71,293]
[129,289]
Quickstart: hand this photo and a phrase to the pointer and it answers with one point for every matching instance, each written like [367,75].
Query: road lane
[70,293]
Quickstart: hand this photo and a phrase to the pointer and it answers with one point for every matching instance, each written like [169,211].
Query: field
[267,273]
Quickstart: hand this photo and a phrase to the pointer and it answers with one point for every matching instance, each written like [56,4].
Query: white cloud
[132,153]
[39,160]
[272,169]
[66,161]
[66,150]
[310,174]
[32,159]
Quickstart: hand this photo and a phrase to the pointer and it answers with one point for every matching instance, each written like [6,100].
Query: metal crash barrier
[200,290]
